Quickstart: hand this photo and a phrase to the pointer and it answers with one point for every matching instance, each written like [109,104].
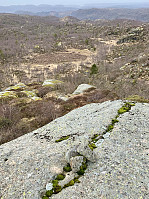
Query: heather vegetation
[111,55]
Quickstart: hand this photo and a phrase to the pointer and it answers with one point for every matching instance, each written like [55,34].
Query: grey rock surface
[30,162]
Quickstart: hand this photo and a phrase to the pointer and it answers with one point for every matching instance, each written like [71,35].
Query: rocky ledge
[106,147]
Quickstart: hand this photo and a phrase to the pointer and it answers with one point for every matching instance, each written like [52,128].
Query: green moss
[56,188]
[76,180]
[49,193]
[94,69]
[45,197]
[55,183]
[123,110]
[127,106]
[71,183]
[81,172]
[62,138]
[114,121]
[110,127]
[60,177]
[83,167]
[95,138]
[92,146]
[67,168]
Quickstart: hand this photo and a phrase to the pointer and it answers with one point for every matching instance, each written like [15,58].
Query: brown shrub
[42,91]
[17,119]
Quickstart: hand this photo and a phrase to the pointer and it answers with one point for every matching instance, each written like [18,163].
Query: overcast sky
[64,2]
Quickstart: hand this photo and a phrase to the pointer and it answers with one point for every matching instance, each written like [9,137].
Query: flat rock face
[30,162]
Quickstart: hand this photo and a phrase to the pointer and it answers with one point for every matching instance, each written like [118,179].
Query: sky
[65,2]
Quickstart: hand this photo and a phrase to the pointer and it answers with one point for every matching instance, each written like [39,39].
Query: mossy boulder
[8,94]
[18,86]
[52,82]
[32,94]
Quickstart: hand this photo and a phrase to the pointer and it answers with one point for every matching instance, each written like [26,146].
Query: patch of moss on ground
[45,197]
[83,167]
[62,138]
[67,168]
[92,146]
[109,128]
[76,180]
[56,188]
[49,193]
[60,177]
[71,183]
[114,121]
[125,108]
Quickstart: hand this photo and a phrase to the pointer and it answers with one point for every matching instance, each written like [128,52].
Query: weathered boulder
[16,87]
[32,95]
[8,94]
[83,88]
[51,82]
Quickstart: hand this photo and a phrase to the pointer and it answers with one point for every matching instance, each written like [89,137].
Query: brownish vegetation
[115,60]
[20,116]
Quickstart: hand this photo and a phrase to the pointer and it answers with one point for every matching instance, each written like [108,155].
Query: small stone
[49,186]
[75,163]
[71,153]
[106,135]
[85,151]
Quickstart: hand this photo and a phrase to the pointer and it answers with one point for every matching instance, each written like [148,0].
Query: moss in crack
[45,197]
[125,108]
[95,138]
[67,168]
[49,193]
[60,177]
[114,121]
[109,128]
[76,180]
[83,167]
[71,183]
[92,146]
[63,138]
[56,187]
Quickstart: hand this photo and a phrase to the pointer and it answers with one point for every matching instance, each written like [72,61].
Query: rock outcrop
[83,88]
[112,137]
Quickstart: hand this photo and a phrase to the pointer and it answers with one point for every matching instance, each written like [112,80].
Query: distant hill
[35,9]
[141,14]
[108,11]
